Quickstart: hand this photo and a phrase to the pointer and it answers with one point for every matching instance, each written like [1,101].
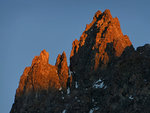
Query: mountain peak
[42,59]
[106,75]
[43,76]
[97,14]
[44,54]
[107,13]
[101,41]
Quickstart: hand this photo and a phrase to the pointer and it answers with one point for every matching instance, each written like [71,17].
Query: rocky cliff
[106,75]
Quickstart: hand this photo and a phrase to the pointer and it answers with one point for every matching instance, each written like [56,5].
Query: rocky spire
[101,41]
[62,67]
[107,75]
[43,58]
[43,76]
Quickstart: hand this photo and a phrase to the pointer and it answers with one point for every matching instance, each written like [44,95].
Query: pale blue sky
[29,26]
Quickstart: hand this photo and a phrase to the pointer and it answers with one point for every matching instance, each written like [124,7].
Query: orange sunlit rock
[102,31]
[106,74]
[43,76]
[62,68]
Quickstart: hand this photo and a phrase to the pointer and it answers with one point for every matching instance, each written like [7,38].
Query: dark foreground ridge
[106,75]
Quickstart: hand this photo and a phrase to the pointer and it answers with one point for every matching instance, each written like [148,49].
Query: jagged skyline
[104,66]
[23,26]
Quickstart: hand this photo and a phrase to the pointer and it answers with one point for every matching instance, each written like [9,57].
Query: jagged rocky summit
[106,75]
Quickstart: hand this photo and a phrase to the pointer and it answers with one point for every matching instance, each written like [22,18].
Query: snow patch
[70,73]
[76,84]
[76,97]
[92,100]
[98,81]
[68,91]
[64,111]
[105,87]
[78,100]
[62,98]
[99,84]
[96,108]
[131,97]
[93,109]
[60,88]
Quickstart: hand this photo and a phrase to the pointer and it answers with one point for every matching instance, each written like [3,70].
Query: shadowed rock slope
[106,75]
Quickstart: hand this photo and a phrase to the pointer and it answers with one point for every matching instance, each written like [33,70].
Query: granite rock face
[106,75]
[99,43]
[62,69]
[40,79]
[42,76]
